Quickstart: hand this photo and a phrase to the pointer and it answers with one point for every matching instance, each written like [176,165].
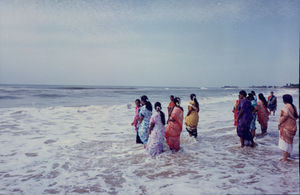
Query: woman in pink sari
[135,120]
[263,113]
[287,126]
[174,127]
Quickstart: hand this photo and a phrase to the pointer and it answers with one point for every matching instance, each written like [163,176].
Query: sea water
[78,139]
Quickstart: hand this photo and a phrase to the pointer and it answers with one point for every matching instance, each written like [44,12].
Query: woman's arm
[151,127]
[141,119]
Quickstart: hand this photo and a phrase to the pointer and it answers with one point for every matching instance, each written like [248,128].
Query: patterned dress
[157,136]
[145,124]
[262,115]
[287,128]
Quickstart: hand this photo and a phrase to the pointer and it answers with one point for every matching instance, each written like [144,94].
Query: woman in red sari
[263,113]
[235,111]
[174,127]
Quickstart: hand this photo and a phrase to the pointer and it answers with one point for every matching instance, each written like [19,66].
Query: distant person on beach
[254,110]
[156,131]
[192,117]
[174,127]
[235,111]
[135,120]
[171,105]
[244,119]
[144,119]
[272,103]
[287,126]
[262,113]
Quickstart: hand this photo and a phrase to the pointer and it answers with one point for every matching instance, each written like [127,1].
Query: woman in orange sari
[287,126]
[263,113]
[174,127]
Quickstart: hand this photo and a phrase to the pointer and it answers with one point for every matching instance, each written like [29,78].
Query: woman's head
[253,93]
[250,96]
[157,106]
[261,96]
[192,96]
[287,99]
[144,99]
[172,98]
[177,101]
[263,99]
[242,94]
[146,102]
[138,102]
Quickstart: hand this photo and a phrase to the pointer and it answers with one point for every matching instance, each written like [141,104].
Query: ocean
[58,139]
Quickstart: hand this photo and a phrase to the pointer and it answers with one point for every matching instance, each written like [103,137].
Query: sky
[202,43]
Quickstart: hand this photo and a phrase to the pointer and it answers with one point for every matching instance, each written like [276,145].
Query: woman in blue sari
[244,119]
[144,119]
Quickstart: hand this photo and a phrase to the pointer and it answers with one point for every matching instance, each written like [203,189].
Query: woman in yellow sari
[192,117]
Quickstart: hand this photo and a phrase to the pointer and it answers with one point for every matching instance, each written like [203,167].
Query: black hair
[250,96]
[162,115]
[177,102]
[263,99]
[287,98]
[147,103]
[138,100]
[243,93]
[193,97]
[253,93]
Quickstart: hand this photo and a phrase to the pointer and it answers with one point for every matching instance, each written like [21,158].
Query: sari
[287,128]
[191,121]
[243,124]
[136,124]
[235,111]
[156,137]
[136,118]
[272,103]
[262,115]
[145,124]
[174,128]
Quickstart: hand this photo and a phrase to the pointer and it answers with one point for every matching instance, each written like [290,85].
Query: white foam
[92,149]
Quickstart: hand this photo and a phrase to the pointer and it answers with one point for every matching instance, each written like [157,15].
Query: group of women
[246,109]
[151,129]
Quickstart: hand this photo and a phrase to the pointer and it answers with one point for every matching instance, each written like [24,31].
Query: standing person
[235,111]
[156,131]
[244,119]
[192,117]
[174,126]
[262,113]
[272,103]
[144,119]
[135,120]
[254,110]
[171,105]
[287,126]
[254,95]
